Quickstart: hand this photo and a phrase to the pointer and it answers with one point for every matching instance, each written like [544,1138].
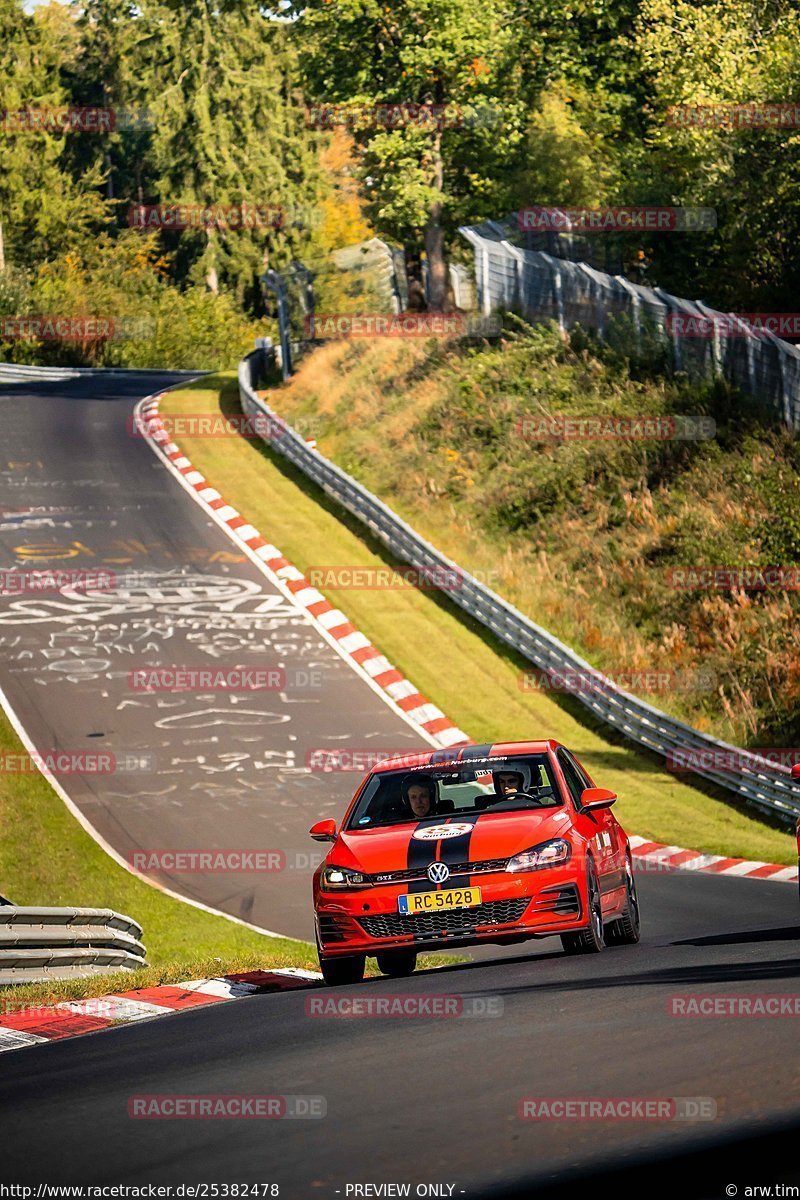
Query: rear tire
[397,963]
[338,972]
[626,930]
[588,940]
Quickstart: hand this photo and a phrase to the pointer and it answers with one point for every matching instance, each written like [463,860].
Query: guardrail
[57,943]
[22,373]
[767,787]
[18,373]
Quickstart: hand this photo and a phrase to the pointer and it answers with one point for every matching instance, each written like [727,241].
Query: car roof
[458,755]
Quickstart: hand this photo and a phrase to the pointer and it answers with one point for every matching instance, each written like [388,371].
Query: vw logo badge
[438,872]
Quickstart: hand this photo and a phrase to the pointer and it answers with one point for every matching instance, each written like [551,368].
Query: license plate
[450,898]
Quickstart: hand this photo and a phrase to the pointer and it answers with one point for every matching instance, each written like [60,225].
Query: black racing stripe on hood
[456,850]
[422,854]
[448,850]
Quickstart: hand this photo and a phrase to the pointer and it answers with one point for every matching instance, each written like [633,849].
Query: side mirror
[796,771]
[596,798]
[324,831]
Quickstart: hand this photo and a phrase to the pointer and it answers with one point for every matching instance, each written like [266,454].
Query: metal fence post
[487,298]
[275,282]
[558,296]
[636,308]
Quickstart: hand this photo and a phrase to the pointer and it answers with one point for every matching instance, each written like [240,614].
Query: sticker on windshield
[435,833]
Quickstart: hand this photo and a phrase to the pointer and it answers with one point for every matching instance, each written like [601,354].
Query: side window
[574,781]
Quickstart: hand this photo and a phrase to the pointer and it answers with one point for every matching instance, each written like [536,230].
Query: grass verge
[455,662]
[46,858]
[603,540]
[20,997]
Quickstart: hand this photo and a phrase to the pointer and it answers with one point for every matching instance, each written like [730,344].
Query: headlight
[334,878]
[546,854]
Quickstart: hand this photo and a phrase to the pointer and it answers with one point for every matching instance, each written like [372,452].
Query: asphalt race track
[436,1100]
[422,1100]
[220,771]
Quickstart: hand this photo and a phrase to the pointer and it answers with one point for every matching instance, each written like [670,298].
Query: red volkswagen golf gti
[497,843]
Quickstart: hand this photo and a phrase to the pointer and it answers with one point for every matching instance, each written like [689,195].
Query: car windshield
[491,785]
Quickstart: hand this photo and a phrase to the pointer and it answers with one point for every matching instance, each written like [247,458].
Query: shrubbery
[124,282]
[584,535]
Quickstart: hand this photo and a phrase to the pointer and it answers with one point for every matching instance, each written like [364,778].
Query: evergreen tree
[229,129]
[44,209]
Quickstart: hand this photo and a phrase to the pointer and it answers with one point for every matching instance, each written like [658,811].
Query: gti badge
[438,872]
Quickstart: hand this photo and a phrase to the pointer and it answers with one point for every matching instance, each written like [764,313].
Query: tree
[44,210]
[107,73]
[727,53]
[429,171]
[228,129]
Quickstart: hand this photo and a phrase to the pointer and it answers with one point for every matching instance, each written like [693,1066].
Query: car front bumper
[513,908]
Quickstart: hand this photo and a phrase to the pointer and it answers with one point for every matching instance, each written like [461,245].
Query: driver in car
[508,783]
[419,793]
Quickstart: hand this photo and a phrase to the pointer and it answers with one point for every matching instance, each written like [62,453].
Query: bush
[151,322]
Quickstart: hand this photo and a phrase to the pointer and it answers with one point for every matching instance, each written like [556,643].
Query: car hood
[451,839]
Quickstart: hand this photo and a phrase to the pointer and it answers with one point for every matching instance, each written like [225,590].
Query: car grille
[466,868]
[431,926]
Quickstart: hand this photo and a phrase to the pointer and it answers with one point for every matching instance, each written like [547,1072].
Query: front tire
[589,940]
[397,963]
[337,972]
[626,930]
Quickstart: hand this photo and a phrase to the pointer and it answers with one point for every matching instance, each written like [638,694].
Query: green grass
[582,535]
[22,996]
[46,858]
[452,660]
